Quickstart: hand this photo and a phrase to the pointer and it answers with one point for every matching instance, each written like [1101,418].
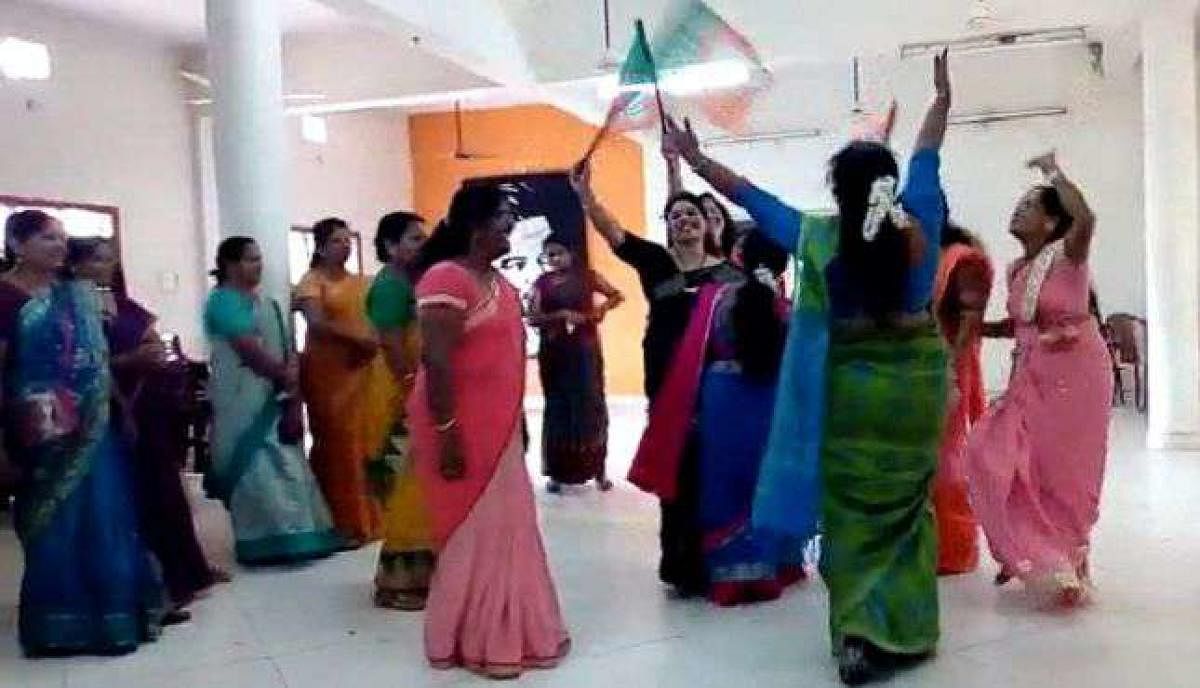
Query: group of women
[856,412]
[414,383]
[853,410]
[111,554]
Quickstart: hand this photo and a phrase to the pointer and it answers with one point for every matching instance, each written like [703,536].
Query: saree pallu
[89,584]
[154,400]
[406,559]
[492,606]
[879,551]
[667,462]
[344,404]
[274,503]
[571,370]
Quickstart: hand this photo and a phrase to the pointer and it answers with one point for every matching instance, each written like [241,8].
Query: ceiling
[183,20]
[808,46]
[564,38]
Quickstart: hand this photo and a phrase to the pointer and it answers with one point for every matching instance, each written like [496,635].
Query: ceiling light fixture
[787,135]
[21,59]
[995,116]
[997,41]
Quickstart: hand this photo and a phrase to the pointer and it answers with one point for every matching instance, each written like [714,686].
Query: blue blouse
[922,198]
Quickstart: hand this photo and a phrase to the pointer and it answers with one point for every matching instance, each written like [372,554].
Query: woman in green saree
[259,470]
[857,425]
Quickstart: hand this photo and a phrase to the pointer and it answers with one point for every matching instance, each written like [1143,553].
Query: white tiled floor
[314,627]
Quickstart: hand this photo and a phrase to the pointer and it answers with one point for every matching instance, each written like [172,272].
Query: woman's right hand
[452,464]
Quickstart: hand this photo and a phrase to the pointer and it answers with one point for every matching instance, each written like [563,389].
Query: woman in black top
[670,277]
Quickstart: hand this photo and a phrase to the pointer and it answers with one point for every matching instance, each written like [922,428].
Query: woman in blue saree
[89,585]
[259,470]
[718,400]
[858,420]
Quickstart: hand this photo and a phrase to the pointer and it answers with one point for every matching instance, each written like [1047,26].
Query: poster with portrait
[547,208]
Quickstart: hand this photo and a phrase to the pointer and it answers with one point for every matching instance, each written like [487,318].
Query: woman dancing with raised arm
[670,277]
[863,386]
[1035,489]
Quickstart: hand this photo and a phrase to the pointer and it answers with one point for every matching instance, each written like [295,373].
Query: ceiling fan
[460,152]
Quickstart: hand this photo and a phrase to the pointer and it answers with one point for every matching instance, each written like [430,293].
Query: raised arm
[933,128]
[606,224]
[1078,241]
[777,221]
[674,171]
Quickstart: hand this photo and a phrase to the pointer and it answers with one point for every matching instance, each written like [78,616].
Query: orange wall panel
[541,138]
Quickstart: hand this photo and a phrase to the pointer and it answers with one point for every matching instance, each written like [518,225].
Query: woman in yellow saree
[340,374]
[406,560]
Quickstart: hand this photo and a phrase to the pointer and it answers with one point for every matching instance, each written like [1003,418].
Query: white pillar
[1172,179]
[245,66]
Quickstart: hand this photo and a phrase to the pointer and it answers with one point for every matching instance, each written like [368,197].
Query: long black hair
[952,232]
[711,247]
[79,251]
[759,332]
[392,228]
[230,251]
[878,269]
[1053,206]
[729,233]
[471,207]
[19,228]
[322,231]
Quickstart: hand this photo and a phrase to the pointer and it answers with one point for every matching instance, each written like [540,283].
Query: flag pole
[658,99]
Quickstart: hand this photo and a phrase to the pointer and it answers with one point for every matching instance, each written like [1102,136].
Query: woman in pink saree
[492,607]
[1036,460]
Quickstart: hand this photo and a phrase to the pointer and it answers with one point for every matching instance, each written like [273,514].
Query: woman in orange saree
[964,281]
[492,605]
[343,381]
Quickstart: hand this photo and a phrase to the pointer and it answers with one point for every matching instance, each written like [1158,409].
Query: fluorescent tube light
[1007,115]
[997,41]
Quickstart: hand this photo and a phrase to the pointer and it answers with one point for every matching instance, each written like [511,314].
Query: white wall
[1099,142]
[361,173]
[111,128]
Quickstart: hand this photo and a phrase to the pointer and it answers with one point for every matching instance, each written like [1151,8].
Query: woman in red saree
[960,295]
[492,605]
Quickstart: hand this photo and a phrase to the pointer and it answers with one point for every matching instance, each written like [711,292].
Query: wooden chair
[1127,340]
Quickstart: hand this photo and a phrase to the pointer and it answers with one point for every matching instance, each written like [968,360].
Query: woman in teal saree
[854,444]
[90,586]
[259,470]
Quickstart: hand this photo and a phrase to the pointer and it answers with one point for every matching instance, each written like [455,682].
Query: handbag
[291,408]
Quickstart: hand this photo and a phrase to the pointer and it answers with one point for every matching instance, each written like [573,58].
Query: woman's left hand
[681,140]
[1046,163]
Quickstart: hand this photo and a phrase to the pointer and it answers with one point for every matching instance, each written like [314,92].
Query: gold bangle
[447,426]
